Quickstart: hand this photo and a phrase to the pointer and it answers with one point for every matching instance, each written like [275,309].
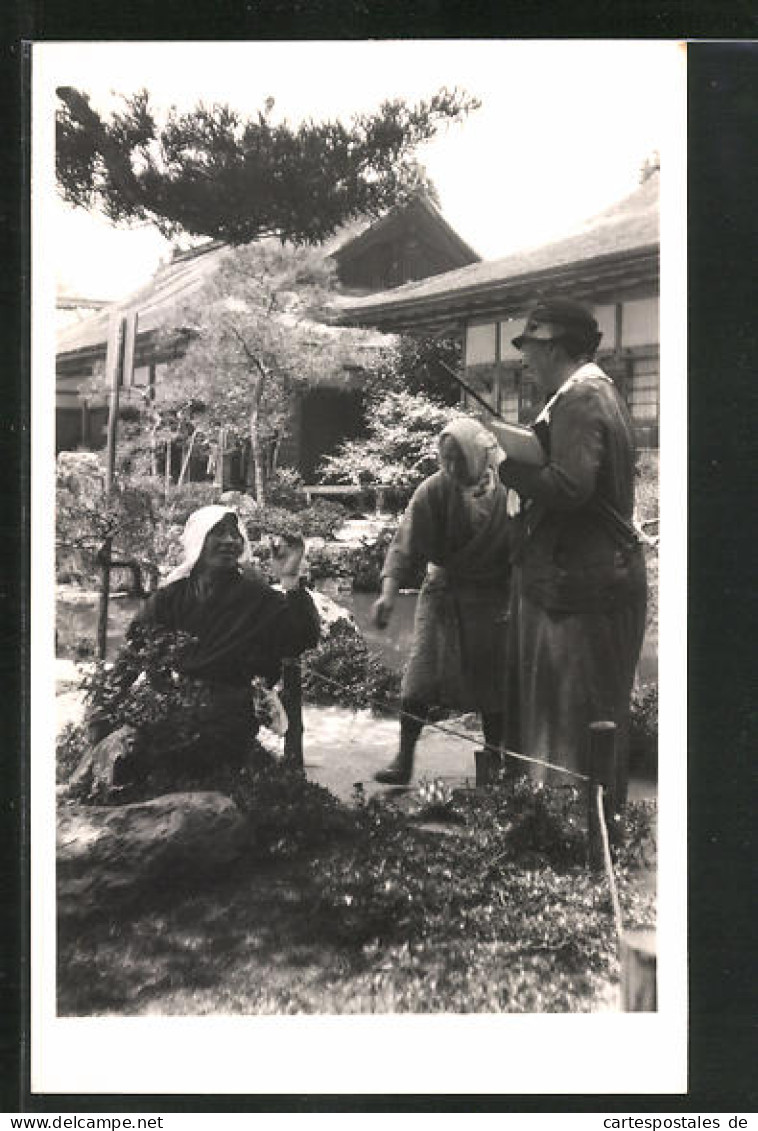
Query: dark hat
[558,318]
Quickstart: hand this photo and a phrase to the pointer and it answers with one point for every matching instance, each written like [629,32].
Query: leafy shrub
[366,561]
[547,823]
[328,562]
[643,725]
[180,739]
[71,746]
[288,813]
[634,835]
[85,519]
[401,446]
[81,648]
[515,877]
[436,801]
[646,508]
[285,489]
[323,518]
[343,671]
[319,520]
[182,501]
[363,564]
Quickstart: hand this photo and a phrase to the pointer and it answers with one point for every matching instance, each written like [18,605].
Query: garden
[442,898]
[279,889]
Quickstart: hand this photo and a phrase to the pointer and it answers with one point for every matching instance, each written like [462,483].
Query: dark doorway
[327,417]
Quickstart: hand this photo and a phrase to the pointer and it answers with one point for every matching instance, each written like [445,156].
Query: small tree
[420,363]
[253,340]
[86,520]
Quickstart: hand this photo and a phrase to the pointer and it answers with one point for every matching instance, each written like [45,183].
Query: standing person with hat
[579,587]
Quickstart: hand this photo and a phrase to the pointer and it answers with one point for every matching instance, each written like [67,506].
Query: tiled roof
[628,226]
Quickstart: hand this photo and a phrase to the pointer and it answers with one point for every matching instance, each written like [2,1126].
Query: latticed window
[643,396]
[509,394]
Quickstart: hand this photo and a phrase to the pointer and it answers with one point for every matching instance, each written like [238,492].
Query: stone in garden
[110,855]
[104,765]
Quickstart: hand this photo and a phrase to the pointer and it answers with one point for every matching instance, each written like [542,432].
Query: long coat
[579,589]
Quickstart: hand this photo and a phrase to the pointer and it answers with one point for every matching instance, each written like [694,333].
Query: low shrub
[366,561]
[288,813]
[327,562]
[643,726]
[71,746]
[634,835]
[319,520]
[343,671]
[285,489]
[548,824]
[513,876]
[182,501]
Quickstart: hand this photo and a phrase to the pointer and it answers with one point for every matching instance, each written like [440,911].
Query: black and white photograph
[358,398]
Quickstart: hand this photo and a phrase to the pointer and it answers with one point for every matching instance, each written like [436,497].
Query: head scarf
[196,529]
[481,452]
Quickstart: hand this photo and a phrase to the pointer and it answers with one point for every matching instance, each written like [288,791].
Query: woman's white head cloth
[196,529]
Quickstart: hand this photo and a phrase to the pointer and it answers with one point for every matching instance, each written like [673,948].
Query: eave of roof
[627,234]
[427,212]
[585,279]
[189,270]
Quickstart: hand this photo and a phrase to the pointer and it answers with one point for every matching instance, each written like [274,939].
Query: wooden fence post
[292,701]
[114,364]
[602,771]
[639,992]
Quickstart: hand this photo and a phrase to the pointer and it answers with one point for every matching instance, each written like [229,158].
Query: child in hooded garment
[457,524]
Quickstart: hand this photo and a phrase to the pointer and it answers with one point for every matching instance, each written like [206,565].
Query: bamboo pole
[186,460]
[219,475]
[114,369]
[167,472]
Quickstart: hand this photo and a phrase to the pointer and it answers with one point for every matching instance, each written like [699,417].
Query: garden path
[342,747]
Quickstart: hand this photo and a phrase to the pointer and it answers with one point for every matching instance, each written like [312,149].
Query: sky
[562,131]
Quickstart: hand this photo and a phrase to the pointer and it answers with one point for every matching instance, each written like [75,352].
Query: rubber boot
[400,768]
[490,760]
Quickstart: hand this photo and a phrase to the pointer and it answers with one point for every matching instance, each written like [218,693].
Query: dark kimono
[241,630]
[459,647]
[579,588]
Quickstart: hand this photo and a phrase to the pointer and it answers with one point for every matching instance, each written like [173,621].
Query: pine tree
[212,173]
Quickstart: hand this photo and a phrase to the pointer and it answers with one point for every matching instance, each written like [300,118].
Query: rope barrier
[451,731]
[618,922]
[607,860]
[609,863]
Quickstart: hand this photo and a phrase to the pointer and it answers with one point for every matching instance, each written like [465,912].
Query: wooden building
[611,263]
[410,242]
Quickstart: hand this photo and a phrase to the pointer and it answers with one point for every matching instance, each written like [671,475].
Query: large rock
[115,854]
[98,770]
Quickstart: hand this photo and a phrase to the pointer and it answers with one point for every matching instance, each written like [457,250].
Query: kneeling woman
[233,627]
[456,524]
